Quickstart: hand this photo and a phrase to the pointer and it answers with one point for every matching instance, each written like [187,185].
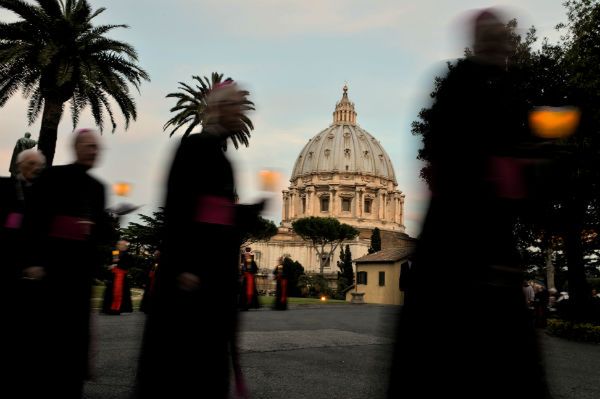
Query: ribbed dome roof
[344,147]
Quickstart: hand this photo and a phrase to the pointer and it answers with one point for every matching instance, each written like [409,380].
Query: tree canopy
[55,54]
[325,234]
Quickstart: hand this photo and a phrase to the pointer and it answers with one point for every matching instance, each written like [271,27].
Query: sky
[294,56]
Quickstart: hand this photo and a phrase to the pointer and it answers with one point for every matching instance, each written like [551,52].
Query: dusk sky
[294,56]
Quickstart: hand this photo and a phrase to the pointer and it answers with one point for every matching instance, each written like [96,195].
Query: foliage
[191,108]
[262,230]
[323,232]
[346,273]
[54,54]
[144,238]
[585,332]
[375,241]
[315,285]
[293,270]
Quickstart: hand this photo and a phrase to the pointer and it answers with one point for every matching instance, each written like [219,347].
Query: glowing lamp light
[269,180]
[122,189]
[323,298]
[554,122]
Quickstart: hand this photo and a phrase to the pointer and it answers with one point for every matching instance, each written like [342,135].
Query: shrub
[585,332]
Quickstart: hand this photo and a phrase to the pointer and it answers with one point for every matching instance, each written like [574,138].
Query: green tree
[346,273]
[147,236]
[581,67]
[325,234]
[144,238]
[55,54]
[375,241]
[316,285]
[190,108]
[262,230]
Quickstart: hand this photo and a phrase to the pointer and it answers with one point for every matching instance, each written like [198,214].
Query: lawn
[136,297]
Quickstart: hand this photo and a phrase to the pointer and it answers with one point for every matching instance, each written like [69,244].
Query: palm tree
[54,54]
[191,108]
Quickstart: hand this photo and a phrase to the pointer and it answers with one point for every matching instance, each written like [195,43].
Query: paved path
[330,351]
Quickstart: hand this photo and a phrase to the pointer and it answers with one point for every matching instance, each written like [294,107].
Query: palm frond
[36,102]
[51,8]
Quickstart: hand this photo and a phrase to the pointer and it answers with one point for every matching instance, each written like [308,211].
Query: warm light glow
[269,180]
[554,122]
[323,298]
[122,189]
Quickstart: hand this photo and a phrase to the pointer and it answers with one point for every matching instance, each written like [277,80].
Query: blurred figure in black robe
[67,223]
[19,296]
[189,340]
[146,303]
[479,343]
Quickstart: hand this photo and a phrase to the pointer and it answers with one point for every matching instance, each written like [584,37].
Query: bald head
[491,38]
[87,147]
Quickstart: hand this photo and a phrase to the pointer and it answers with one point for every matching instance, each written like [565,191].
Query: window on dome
[325,204]
[346,205]
[367,206]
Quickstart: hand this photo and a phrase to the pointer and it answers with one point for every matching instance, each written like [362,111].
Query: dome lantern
[344,110]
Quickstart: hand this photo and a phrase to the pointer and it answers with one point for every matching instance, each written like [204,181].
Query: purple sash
[70,228]
[215,210]
[14,220]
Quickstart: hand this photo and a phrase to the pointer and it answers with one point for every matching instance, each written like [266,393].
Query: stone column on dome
[397,208]
[285,210]
[333,200]
[402,196]
[309,198]
[358,206]
[293,197]
[381,204]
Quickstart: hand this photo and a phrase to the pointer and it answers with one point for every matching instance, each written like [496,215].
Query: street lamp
[122,189]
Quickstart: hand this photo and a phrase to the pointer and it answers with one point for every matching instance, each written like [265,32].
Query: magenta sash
[508,174]
[70,228]
[14,220]
[215,210]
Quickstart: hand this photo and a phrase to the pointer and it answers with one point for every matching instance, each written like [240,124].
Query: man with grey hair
[67,223]
[22,144]
[18,294]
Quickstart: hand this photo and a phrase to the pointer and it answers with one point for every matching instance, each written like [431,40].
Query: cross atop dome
[344,113]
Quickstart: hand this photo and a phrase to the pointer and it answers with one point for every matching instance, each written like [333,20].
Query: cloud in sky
[294,56]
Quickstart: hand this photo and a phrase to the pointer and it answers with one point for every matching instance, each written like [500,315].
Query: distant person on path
[67,224]
[190,334]
[149,285]
[117,295]
[248,291]
[281,287]
[467,242]
[22,144]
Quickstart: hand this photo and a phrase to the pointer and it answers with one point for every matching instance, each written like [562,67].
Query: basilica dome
[344,147]
[344,172]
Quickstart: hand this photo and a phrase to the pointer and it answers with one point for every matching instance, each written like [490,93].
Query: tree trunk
[53,109]
[578,288]
[549,269]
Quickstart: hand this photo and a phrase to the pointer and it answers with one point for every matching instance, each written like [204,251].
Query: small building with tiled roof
[378,277]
